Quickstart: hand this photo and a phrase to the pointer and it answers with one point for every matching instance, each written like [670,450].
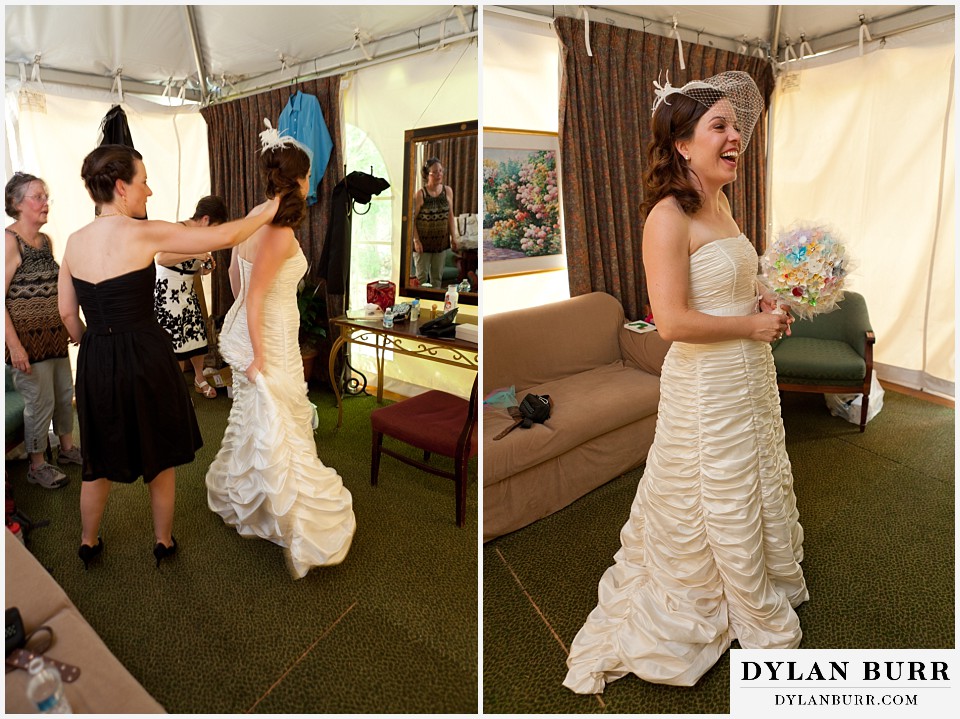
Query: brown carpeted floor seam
[299,659]
[543,617]
[523,589]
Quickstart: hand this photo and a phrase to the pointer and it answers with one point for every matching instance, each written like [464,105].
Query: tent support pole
[775,32]
[197,52]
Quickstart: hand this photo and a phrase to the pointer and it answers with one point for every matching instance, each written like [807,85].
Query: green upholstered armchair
[833,352]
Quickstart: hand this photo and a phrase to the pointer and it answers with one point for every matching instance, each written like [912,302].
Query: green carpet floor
[223,628]
[878,515]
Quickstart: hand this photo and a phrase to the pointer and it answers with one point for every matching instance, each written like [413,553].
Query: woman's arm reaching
[173,237]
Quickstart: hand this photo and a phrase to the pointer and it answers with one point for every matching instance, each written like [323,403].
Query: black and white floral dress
[178,309]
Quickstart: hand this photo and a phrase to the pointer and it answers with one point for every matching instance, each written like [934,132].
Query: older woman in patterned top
[36,340]
[433,226]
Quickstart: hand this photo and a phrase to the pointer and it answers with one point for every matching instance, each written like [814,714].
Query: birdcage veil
[735,86]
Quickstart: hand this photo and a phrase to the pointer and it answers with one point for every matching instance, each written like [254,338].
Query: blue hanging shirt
[302,119]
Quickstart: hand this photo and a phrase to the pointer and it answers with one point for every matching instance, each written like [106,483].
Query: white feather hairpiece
[271,138]
[662,92]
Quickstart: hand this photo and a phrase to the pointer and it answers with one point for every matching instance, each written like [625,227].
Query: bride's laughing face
[714,149]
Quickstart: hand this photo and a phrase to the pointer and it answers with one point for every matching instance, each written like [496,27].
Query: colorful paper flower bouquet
[806,267]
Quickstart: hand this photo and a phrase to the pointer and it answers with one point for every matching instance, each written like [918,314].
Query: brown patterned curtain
[233,136]
[605,103]
[458,155]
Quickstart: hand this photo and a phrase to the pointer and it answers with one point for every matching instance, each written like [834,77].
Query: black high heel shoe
[88,553]
[162,551]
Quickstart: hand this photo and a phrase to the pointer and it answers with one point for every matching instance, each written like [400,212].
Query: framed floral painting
[522,227]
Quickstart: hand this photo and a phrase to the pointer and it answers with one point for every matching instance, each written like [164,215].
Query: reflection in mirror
[440,203]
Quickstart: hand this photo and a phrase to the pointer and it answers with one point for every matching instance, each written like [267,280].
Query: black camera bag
[535,408]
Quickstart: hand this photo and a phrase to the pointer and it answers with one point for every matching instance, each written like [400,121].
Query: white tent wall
[52,144]
[866,145]
[521,91]
[433,88]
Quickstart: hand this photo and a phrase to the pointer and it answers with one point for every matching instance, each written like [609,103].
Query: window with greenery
[371,255]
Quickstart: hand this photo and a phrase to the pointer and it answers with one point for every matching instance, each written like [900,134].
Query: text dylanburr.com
[858,682]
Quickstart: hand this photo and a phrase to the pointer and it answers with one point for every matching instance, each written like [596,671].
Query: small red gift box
[382,293]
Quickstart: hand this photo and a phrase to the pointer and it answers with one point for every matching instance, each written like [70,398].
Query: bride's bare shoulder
[666,221]
[272,239]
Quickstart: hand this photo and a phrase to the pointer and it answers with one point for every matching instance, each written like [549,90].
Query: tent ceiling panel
[149,44]
[726,26]
[756,21]
[246,41]
[153,44]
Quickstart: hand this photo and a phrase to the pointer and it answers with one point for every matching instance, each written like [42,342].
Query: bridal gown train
[712,549]
[266,479]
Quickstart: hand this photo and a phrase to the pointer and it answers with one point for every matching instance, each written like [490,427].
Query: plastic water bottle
[451,298]
[415,310]
[388,318]
[45,689]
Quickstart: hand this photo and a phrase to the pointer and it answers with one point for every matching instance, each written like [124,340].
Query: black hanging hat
[115,129]
[361,186]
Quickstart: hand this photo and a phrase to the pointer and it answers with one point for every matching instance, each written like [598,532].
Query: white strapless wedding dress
[266,479]
[713,546]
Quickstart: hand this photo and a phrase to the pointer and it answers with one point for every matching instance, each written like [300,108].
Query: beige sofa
[604,381]
[104,685]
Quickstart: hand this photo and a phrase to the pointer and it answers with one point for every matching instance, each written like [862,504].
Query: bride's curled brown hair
[666,172]
[282,168]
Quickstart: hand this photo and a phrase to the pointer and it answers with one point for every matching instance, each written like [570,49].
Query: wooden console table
[403,339]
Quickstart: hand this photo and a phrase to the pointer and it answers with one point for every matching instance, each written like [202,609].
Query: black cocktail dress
[136,415]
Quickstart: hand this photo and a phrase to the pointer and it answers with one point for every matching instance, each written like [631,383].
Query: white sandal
[205,389]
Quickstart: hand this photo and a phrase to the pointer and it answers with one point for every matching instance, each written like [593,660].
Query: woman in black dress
[136,416]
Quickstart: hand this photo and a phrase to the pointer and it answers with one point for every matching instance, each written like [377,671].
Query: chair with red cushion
[437,423]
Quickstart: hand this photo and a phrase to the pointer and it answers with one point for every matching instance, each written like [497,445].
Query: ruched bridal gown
[712,549]
[266,479]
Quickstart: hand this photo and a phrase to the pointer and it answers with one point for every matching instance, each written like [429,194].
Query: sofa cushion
[30,588]
[550,486]
[530,347]
[585,405]
[644,351]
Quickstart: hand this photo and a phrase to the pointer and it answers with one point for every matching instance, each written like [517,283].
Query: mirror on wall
[455,146]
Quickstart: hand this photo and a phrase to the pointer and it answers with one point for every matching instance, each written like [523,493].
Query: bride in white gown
[266,479]
[712,549]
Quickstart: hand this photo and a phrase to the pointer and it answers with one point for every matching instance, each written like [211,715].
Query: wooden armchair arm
[869,340]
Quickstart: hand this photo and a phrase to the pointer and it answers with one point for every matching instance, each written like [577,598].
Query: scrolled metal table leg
[334,350]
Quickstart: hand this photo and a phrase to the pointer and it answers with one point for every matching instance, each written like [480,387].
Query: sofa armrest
[105,685]
[643,351]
